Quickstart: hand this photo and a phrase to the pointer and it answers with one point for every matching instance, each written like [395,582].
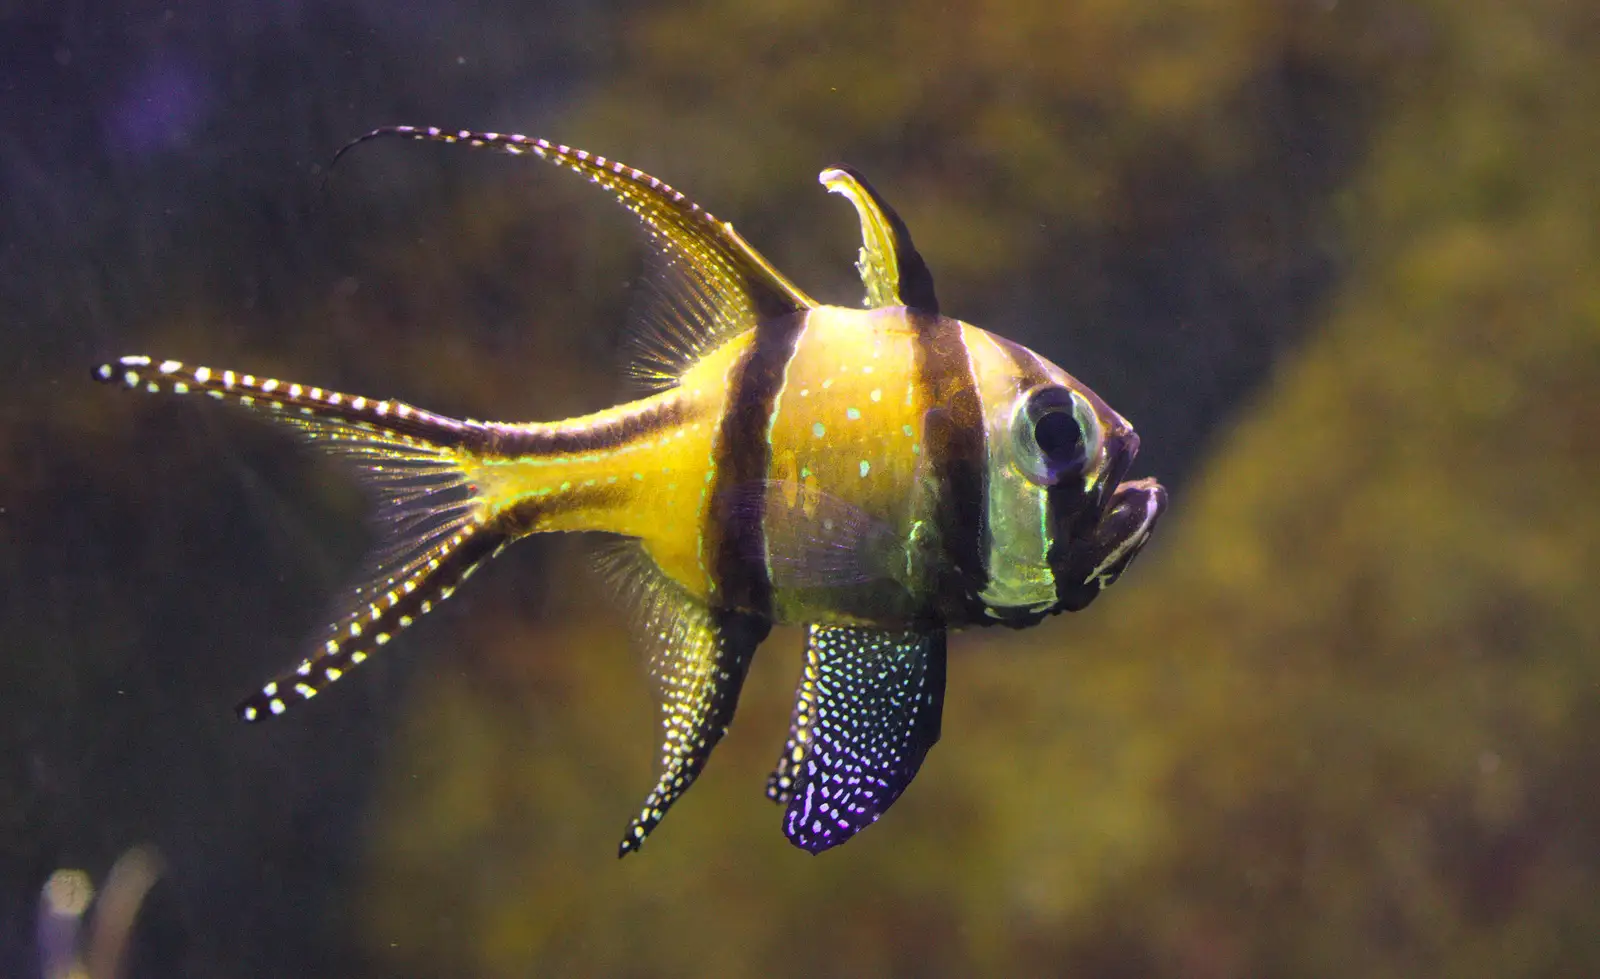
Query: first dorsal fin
[891,267]
[717,283]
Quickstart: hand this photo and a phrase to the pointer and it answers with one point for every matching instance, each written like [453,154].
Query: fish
[879,476]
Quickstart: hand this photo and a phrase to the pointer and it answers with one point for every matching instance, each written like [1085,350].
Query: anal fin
[699,657]
[867,711]
[697,706]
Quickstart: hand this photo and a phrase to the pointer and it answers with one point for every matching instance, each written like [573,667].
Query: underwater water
[1334,261]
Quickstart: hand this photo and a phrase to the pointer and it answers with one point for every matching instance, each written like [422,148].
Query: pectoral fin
[867,711]
[891,268]
[814,539]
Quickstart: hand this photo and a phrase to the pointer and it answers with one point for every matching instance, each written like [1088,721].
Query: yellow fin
[698,657]
[891,267]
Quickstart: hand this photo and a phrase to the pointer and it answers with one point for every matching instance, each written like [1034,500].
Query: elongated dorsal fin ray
[427,518]
[891,267]
[698,658]
[724,283]
[867,710]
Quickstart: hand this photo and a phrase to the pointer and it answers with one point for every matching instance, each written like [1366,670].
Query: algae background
[1336,261]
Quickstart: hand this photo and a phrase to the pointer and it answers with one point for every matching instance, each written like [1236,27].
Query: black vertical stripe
[1071,512]
[735,538]
[956,445]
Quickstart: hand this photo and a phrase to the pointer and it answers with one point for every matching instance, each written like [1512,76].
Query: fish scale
[876,475]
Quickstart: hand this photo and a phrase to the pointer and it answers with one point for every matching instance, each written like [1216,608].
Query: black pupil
[1060,439]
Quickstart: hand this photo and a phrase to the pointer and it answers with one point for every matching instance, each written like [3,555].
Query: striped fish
[880,476]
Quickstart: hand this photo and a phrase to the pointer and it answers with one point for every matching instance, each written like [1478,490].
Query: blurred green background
[1338,261]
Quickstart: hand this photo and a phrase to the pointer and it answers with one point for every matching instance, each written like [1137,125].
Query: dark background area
[1335,260]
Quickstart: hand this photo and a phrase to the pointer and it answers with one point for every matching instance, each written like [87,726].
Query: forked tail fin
[430,518]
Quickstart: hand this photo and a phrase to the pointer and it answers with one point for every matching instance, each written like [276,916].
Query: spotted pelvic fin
[712,282]
[430,520]
[867,710]
[698,657]
[891,267]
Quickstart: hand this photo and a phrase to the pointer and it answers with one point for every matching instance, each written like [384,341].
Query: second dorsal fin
[711,283]
[891,268]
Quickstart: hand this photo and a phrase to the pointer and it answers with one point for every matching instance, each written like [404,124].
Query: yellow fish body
[880,476]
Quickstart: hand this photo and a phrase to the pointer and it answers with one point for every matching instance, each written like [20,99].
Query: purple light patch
[872,702]
[159,111]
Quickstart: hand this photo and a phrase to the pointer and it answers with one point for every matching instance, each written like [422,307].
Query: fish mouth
[1121,449]
[1078,512]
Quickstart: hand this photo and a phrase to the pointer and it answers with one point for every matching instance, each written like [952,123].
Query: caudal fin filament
[287,399]
[354,639]
[430,519]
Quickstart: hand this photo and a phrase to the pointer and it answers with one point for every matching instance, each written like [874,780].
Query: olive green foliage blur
[1338,721]
[1341,719]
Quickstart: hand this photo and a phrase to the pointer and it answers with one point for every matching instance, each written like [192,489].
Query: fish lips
[1091,526]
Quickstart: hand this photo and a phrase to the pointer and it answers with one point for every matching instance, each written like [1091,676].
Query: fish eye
[1057,434]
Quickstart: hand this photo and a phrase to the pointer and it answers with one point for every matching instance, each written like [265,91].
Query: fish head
[1062,523]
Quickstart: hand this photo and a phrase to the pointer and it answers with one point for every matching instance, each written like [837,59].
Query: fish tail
[291,402]
[360,634]
[433,523]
